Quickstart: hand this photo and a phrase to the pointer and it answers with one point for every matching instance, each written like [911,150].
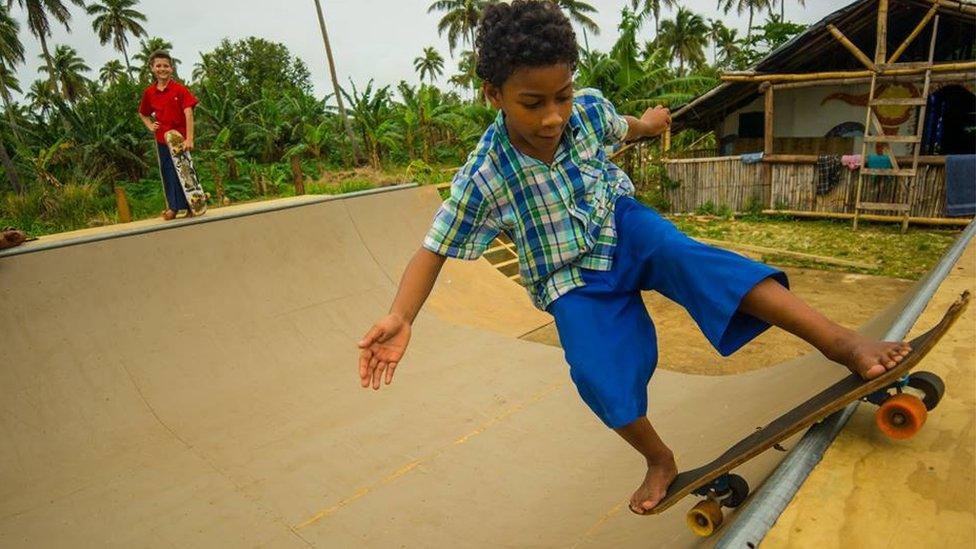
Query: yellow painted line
[414,464]
[599,523]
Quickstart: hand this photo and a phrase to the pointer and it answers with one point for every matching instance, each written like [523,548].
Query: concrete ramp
[196,386]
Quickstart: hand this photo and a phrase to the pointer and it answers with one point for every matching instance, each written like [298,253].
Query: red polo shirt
[167,104]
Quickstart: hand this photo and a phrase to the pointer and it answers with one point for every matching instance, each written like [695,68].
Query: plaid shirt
[559,216]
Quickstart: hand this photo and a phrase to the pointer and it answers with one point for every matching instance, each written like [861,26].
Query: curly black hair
[525,33]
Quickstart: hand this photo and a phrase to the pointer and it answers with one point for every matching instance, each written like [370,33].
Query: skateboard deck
[187,174]
[816,408]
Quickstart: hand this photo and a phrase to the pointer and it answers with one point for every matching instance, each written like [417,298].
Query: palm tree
[643,8]
[467,77]
[112,72]
[727,46]
[576,10]
[715,29]
[146,49]
[459,21]
[11,53]
[42,96]
[430,64]
[335,84]
[741,6]
[68,72]
[685,38]
[114,19]
[40,26]
[782,7]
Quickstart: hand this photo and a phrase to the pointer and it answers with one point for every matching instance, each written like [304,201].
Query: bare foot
[655,486]
[866,357]
[169,215]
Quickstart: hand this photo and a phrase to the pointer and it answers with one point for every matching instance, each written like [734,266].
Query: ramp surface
[196,386]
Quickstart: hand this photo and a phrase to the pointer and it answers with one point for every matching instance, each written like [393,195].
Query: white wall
[806,112]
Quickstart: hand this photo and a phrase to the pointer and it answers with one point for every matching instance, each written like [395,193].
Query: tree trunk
[128,68]
[335,84]
[8,166]
[5,93]
[749,32]
[50,65]
[232,168]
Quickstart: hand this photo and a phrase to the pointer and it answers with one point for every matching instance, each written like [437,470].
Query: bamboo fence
[728,182]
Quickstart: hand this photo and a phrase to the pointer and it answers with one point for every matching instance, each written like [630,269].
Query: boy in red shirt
[170,105]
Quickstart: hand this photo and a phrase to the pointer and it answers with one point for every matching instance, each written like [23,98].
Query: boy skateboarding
[167,105]
[587,249]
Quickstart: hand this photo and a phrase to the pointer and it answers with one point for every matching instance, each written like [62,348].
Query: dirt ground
[850,299]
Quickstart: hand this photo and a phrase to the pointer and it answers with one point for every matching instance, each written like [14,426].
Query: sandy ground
[872,492]
[849,299]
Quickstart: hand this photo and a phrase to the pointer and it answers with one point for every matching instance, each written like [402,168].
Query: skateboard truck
[727,490]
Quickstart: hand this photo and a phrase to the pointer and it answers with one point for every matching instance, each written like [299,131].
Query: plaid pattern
[559,216]
[827,173]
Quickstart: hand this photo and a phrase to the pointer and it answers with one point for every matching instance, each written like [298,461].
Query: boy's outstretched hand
[381,349]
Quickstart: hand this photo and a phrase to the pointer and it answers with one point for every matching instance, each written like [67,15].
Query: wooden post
[767,168]
[851,47]
[768,122]
[218,182]
[881,46]
[296,174]
[122,204]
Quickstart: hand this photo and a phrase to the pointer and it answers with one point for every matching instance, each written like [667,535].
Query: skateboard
[187,174]
[903,401]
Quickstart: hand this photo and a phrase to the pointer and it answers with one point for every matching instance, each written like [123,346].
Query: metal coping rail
[756,519]
[123,232]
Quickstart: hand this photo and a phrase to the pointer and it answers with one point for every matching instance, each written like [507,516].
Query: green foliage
[772,34]
[252,67]
[257,111]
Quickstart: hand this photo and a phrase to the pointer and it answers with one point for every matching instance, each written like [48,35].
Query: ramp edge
[758,517]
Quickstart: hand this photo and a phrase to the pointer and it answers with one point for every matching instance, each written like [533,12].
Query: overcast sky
[376,39]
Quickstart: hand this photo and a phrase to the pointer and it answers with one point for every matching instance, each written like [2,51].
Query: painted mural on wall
[891,117]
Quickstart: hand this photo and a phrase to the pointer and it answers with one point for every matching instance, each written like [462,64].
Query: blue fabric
[607,335]
[961,185]
[879,161]
[752,158]
[175,199]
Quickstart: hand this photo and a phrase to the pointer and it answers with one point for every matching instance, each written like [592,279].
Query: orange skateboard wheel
[704,518]
[901,416]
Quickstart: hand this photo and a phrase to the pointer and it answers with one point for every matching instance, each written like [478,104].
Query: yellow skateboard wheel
[704,518]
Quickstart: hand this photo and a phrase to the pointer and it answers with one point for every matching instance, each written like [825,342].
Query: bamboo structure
[851,48]
[895,69]
[944,77]
[914,34]
[728,183]
[933,221]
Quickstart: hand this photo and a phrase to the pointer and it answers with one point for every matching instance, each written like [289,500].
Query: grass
[71,207]
[907,256]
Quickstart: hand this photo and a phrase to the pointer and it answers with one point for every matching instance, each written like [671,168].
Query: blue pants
[605,330]
[175,199]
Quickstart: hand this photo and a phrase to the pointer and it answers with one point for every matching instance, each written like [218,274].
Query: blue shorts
[604,328]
